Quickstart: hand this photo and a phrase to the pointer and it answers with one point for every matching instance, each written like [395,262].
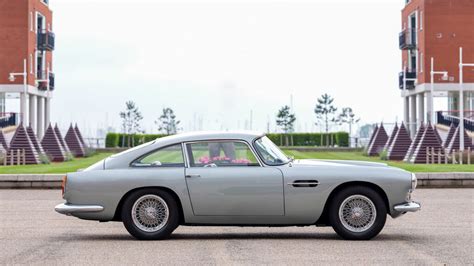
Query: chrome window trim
[134,162]
[188,163]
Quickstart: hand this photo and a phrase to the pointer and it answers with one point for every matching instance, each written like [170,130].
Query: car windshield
[269,152]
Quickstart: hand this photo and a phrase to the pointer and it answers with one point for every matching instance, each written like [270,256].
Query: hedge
[113,140]
[340,139]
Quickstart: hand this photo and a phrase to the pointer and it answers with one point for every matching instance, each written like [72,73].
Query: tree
[285,119]
[131,118]
[325,111]
[347,116]
[167,122]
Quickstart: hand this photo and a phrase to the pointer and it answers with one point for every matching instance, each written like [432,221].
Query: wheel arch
[118,210]
[323,219]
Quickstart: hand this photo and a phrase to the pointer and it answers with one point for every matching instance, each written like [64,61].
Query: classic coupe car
[235,178]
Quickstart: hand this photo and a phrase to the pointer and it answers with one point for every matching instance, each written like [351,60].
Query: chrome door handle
[193,175]
[304,183]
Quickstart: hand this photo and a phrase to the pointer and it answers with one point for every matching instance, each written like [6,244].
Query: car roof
[248,136]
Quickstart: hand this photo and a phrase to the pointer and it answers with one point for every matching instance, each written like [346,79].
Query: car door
[224,178]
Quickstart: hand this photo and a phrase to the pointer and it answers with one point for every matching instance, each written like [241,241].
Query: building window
[45,2]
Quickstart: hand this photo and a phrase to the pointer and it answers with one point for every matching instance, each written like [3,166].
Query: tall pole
[461,103]
[23,95]
[431,116]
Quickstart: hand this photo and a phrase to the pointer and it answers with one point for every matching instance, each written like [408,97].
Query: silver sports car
[235,178]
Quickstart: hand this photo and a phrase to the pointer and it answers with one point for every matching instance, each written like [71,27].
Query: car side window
[220,154]
[171,156]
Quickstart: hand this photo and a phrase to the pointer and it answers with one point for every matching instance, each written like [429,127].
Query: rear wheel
[357,213]
[150,214]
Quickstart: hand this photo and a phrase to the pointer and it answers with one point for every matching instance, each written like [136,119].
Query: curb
[45,181]
[53,181]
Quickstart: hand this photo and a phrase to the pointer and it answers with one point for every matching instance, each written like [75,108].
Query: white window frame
[421,63]
[31,64]
[421,20]
[31,22]
[43,27]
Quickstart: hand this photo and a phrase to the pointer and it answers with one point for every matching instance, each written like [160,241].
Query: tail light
[63,185]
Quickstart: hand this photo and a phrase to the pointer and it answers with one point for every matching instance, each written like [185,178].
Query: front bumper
[408,207]
[69,209]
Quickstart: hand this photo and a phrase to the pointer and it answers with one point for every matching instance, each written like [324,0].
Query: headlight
[414,182]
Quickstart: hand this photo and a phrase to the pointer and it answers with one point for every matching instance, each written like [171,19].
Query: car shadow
[234,236]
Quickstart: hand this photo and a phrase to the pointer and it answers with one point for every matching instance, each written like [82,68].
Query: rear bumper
[408,207]
[69,209]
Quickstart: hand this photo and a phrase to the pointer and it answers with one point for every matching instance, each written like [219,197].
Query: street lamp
[431,118]
[461,99]
[11,78]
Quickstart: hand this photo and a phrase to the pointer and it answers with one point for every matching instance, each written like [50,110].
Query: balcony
[43,85]
[407,39]
[452,117]
[45,41]
[8,119]
[411,74]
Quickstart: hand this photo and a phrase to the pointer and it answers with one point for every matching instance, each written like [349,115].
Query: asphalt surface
[32,233]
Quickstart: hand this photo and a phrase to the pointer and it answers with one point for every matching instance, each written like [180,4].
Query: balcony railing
[407,39]
[51,81]
[410,84]
[8,119]
[45,41]
[452,117]
[43,85]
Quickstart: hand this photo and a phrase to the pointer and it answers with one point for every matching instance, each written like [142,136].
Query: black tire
[368,233]
[165,231]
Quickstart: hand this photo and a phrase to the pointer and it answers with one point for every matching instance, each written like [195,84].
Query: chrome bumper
[68,209]
[408,207]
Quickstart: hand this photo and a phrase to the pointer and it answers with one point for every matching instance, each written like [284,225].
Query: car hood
[335,163]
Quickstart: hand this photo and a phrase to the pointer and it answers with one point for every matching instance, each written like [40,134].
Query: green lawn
[359,156]
[54,168]
[81,163]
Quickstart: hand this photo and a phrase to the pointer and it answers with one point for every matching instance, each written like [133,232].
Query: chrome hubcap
[150,213]
[357,213]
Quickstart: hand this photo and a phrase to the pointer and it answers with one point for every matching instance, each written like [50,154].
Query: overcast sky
[215,61]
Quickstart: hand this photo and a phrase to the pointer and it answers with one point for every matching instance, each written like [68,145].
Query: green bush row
[113,140]
[340,139]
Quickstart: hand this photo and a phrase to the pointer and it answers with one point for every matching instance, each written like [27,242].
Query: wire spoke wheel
[357,213]
[150,213]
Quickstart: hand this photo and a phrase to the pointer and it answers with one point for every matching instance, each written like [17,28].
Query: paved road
[32,233]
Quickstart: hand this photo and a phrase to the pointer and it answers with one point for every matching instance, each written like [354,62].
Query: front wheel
[150,214]
[357,213]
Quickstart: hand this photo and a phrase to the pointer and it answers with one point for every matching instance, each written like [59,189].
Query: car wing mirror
[210,165]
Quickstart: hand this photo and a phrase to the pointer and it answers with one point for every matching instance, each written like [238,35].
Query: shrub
[68,157]
[384,155]
[44,158]
[88,152]
[112,140]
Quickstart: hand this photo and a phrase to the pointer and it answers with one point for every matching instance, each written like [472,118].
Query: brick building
[26,45]
[436,29]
